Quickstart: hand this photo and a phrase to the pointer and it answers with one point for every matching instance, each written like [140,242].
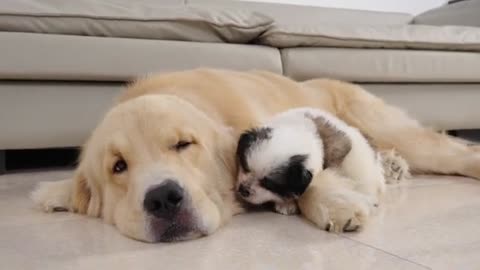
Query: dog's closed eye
[275,185]
[182,145]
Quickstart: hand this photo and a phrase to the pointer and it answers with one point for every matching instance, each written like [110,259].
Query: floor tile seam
[386,252]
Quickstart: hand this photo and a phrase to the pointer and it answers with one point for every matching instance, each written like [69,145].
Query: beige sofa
[62,64]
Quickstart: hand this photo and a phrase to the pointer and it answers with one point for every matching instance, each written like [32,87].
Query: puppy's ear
[298,177]
[247,140]
[336,144]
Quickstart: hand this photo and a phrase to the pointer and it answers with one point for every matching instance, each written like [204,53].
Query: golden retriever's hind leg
[395,167]
[53,196]
[427,151]
[390,128]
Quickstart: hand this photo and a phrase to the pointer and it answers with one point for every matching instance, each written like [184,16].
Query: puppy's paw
[287,208]
[53,196]
[395,167]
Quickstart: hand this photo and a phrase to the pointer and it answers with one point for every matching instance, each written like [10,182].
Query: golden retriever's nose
[243,190]
[165,200]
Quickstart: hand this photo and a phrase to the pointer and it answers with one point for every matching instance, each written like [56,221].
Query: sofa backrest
[308,15]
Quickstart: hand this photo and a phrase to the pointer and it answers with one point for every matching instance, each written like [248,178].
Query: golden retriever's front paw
[352,224]
[287,208]
[53,196]
[341,212]
[351,212]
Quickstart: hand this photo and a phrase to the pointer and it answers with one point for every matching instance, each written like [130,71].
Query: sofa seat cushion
[75,58]
[455,38]
[375,65]
[146,19]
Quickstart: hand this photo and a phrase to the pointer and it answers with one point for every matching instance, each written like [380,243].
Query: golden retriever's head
[158,169]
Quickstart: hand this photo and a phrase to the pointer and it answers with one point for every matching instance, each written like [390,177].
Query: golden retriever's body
[209,108]
[236,99]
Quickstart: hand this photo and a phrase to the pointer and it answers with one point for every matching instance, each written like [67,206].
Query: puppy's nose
[243,190]
[164,200]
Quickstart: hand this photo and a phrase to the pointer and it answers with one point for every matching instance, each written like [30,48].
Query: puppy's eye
[266,181]
[120,166]
[182,145]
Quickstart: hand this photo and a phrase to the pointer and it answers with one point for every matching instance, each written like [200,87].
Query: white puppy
[279,159]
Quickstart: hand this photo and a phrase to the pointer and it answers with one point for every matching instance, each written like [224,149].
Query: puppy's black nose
[164,200]
[243,190]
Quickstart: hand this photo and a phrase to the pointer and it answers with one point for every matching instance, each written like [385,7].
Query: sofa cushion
[131,19]
[440,106]
[308,15]
[61,57]
[52,114]
[373,65]
[391,37]
[465,13]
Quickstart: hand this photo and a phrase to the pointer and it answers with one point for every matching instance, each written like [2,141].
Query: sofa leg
[3,162]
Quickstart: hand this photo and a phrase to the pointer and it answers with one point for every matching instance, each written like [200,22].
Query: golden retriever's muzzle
[170,214]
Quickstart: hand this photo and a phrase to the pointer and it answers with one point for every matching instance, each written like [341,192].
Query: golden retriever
[161,165]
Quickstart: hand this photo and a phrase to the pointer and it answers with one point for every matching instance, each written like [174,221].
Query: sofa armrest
[464,13]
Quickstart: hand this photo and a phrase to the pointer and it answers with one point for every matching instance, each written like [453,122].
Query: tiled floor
[427,223]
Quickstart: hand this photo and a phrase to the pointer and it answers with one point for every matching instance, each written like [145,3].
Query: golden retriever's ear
[227,145]
[81,194]
[86,197]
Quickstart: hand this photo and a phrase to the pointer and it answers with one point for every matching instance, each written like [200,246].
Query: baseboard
[3,160]
[468,134]
[34,159]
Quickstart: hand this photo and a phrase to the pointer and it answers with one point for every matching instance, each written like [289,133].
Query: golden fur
[211,108]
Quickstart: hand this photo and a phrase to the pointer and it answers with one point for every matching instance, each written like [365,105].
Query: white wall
[406,6]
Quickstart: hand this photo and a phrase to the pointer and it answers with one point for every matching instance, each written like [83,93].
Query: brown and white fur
[278,160]
[178,131]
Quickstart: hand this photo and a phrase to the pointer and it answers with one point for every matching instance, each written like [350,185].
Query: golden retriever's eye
[120,166]
[181,145]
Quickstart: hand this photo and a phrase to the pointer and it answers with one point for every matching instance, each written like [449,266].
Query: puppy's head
[276,164]
[158,169]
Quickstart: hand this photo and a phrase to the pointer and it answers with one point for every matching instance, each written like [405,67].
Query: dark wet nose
[243,191]
[164,200]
